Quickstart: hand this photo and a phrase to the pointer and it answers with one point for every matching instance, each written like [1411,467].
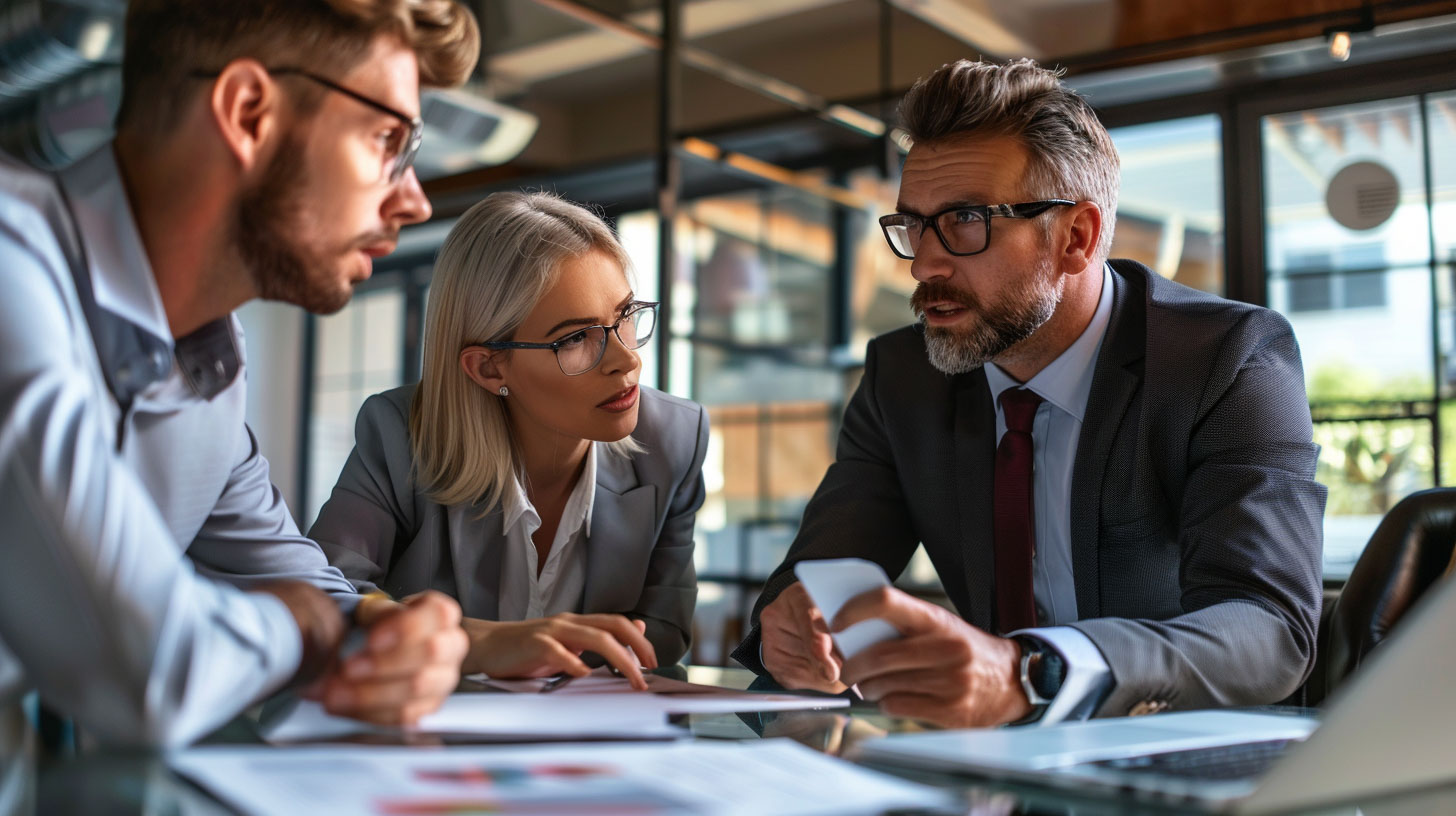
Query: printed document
[708,778]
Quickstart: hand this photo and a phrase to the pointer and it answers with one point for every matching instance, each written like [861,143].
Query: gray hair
[498,261]
[1071,154]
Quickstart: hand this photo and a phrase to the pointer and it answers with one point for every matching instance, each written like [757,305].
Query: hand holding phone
[831,584]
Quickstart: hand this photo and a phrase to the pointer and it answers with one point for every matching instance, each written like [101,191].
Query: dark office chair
[1410,550]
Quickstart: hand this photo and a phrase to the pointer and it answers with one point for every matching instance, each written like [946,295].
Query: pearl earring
[505,392]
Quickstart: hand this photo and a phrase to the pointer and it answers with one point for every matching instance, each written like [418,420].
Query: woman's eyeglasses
[581,351]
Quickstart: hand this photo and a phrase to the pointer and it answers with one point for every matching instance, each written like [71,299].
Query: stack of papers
[598,706]
[672,696]
[494,717]
[710,778]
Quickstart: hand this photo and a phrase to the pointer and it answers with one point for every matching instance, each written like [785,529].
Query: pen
[556,682]
[357,634]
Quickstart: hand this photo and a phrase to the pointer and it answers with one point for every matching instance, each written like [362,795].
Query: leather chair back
[1410,550]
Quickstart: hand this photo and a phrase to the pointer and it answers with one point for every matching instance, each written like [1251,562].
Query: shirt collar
[1067,380]
[121,274]
[515,504]
[134,339]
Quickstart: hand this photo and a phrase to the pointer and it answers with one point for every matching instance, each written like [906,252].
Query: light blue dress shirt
[128,482]
[1063,386]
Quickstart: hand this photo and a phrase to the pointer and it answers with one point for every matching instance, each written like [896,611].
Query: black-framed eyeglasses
[581,351]
[402,145]
[962,230]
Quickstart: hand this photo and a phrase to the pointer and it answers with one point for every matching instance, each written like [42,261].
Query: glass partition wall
[752,341]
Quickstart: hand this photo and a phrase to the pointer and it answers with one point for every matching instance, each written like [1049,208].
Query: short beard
[268,215]
[994,329]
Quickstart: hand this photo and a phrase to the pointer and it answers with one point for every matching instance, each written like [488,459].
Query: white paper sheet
[712,778]
[672,696]
[501,717]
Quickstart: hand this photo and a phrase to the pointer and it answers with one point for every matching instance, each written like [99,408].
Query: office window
[880,281]
[1170,208]
[1348,240]
[1441,121]
[750,328]
[1353,278]
[357,352]
[638,234]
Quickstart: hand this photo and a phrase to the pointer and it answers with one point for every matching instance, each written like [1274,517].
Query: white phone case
[831,584]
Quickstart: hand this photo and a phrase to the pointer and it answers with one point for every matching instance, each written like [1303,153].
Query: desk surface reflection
[119,782]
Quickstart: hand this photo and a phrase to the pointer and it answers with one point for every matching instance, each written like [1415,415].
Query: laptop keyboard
[1223,762]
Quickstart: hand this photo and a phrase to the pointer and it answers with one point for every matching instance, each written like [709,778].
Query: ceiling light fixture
[1341,37]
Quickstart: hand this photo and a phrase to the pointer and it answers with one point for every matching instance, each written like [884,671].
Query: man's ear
[246,104]
[483,367]
[1082,230]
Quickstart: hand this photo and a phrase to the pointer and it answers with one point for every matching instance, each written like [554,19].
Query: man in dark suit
[1112,473]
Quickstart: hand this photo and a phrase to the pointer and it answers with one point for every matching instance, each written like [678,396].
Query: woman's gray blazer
[383,532]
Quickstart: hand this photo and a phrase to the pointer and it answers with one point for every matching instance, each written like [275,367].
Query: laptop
[1387,729]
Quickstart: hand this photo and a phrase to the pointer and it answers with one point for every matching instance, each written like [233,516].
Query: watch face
[1030,662]
[1048,674]
[1042,672]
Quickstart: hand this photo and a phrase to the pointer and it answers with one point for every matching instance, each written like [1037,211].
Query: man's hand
[943,670]
[545,646]
[797,649]
[409,664]
[321,626]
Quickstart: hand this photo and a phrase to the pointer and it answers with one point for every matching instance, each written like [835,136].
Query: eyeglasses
[962,230]
[580,351]
[401,145]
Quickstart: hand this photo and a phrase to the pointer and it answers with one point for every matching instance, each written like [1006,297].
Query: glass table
[118,782]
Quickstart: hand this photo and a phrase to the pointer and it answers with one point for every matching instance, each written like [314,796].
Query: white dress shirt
[128,479]
[1063,386]
[529,589]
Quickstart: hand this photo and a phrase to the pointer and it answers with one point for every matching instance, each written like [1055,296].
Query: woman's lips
[620,401]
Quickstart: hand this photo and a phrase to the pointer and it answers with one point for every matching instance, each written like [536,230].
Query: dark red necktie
[1014,531]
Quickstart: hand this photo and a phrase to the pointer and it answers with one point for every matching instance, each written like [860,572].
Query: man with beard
[1113,474]
[154,584]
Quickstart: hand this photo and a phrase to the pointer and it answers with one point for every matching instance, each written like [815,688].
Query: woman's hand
[545,646]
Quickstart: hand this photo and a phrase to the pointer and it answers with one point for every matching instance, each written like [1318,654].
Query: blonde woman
[529,474]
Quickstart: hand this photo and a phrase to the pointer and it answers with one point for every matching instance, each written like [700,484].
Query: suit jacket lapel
[975,468]
[623,534]
[1116,379]
[475,553]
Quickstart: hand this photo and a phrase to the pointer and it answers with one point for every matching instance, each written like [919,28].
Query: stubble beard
[268,216]
[994,328]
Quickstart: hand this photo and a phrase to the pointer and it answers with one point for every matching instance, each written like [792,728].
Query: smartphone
[831,584]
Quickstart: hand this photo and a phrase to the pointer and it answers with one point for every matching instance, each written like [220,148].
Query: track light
[1341,37]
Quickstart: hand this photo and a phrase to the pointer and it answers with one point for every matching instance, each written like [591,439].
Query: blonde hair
[498,261]
[166,40]
[1071,153]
